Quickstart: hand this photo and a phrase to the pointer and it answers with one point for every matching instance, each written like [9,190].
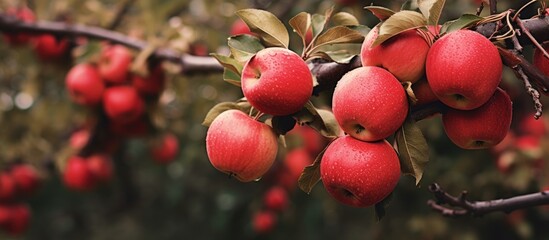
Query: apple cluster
[16,183]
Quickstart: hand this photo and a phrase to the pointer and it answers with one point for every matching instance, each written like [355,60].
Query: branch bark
[453,206]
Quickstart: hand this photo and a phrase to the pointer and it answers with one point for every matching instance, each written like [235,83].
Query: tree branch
[460,206]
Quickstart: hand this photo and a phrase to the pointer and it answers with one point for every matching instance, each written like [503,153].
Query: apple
[358,173]
[7,187]
[19,220]
[241,146]
[403,55]
[123,104]
[530,126]
[100,167]
[77,175]
[78,139]
[48,47]
[84,84]
[166,149]
[540,61]
[423,92]
[308,138]
[369,103]
[263,222]
[309,36]
[134,128]
[5,215]
[507,143]
[346,2]
[25,15]
[240,27]
[294,162]
[26,178]
[530,146]
[151,85]
[463,69]
[277,81]
[276,199]
[482,127]
[114,63]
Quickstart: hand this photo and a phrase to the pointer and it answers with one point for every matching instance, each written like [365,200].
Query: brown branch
[493,6]
[452,206]
[531,90]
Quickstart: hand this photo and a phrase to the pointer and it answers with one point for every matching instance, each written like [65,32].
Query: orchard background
[187,198]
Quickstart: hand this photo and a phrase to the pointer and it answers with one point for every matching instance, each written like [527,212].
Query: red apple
[276,199]
[423,92]
[50,48]
[507,143]
[346,2]
[85,85]
[483,127]
[264,222]
[5,215]
[358,173]
[308,138]
[79,138]
[26,178]
[294,162]
[7,187]
[540,61]
[123,104]
[463,76]
[151,85]
[528,125]
[403,55]
[241,146]
[114,63]
[19,221]
[309,36]
[277,81]
[240,27]
[100,167]
[77,175]
[26,15]
[166,149]
[369,103]
[530,146]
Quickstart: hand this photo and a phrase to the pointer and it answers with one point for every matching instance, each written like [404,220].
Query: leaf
[340,53]
[231,77]
[409,5]
[379,208]
[397,23]
[412,148]
[228,62]
[338,35]
[218,109]
[311,174]
[380,12]
[411,96]
[364,30]
[319,21]
[243,47]
[270,29]
[301,24]
[464,21]
[330,123]
[322,124]
[344,19]
[431,9]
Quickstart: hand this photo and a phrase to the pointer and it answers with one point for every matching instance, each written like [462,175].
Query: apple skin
[77,175]
[308,138]
[423,92]
[26,178]
[114,63]
[26,15]
[540,61]
[403,55]
[47,47]
[84,85]
[240,27]
[166,150]
[100,166]
[463,76]
[369,103]
[277,81]
[528,125]
[79,138]
[241,146]
[151,85]
[263,222]
[5,215]
[123,104]
[276,199]
[294,162]
[482,127]
[19,219]
[357,173]
[7,187]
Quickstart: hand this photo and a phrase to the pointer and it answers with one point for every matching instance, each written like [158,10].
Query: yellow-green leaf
[338,35]
[412,148]
[411,95]
[345,19]
[270,29]
[397,23]
[231,77]
[431,9]
[243,47]
[228,62]
[218,109]
[464,21]
[380,12]
[311,174]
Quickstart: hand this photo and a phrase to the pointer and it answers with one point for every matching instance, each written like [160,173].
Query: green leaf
[409,5]
[340,53]
[413,149]
[380,207]
[380,12]
[218,109]
[397,23]
[301,23]
[338,35]
[322,123]
[229,63]
[431,9]
[464,21]
[330,123]
[231,77]
[311,174]
[270,29]
[364,30]
[411,96]
[319,21]
[344,19]
[243,47]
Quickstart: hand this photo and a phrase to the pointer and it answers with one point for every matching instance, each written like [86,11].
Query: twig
[119,15]
[460,206]
[493,7]
[480,8]
[531,90]
[532,38]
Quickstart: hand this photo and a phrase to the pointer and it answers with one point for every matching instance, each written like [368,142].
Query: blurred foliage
[189,199]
